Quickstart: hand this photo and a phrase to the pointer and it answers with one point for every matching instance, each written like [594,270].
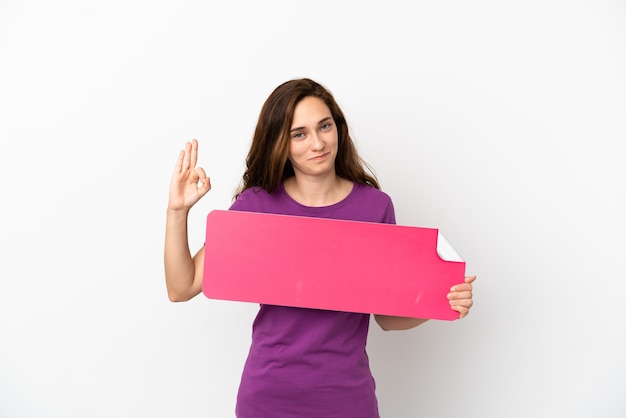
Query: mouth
[320,157]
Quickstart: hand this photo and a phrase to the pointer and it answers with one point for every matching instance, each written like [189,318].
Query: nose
[316,142]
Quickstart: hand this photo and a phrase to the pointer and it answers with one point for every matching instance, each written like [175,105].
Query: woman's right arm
[183,273]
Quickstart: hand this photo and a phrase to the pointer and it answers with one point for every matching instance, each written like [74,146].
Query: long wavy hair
[267,164]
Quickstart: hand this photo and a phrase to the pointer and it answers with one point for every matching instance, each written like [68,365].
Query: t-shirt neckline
[292,201]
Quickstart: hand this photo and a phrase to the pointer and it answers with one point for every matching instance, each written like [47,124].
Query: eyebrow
[326,119]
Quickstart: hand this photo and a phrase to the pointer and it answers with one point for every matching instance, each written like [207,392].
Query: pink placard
[328,264]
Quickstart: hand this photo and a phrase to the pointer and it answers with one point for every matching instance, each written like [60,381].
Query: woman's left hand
[460,296]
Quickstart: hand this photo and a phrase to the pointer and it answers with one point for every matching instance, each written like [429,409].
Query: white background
[501,123]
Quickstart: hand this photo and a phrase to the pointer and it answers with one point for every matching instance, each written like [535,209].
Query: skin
[312,152]
[183,274]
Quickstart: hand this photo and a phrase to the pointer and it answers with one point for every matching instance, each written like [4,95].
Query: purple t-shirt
[310,362]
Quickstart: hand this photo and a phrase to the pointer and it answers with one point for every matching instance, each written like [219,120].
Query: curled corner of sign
[445,250]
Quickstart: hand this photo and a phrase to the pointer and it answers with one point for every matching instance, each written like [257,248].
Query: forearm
[178,262]
[397,323]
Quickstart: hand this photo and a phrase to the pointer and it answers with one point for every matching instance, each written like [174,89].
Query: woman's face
[314,139]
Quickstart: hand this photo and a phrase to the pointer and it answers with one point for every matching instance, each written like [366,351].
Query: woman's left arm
[460,298]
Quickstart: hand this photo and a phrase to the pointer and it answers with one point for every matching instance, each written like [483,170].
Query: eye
[298,135]
[325,126]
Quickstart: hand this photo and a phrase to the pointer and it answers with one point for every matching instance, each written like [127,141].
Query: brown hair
[267,163]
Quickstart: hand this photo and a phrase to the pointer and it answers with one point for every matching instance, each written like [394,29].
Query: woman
[302,161]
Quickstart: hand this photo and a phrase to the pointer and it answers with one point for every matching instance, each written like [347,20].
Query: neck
[317,192]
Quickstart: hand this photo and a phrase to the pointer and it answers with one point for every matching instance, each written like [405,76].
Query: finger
[462,287]
[194,153]
[200,174]
[460,295]
[195,176]
[467,303]
[470,279]
[179,162]
[187,158]
[204,187]
[201,178]
[462,310]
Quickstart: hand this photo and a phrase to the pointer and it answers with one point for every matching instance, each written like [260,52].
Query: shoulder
[374,204]
[249,197]
[371,194]
[256,199]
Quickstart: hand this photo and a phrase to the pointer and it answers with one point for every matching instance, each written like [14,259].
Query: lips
[320,157]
